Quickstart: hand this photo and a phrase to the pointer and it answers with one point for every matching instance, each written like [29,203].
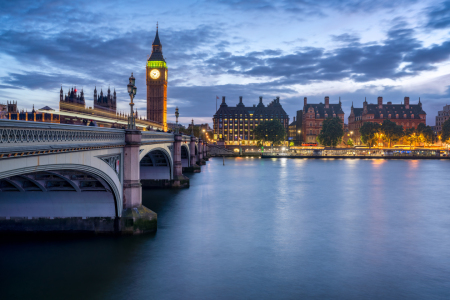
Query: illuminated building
[404,114]
[10,112]
[313,116]
[156,78]
[234,124]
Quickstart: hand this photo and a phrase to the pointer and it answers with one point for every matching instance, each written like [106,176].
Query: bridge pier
[205,151]
[136,218]
[194,168]
[200,153]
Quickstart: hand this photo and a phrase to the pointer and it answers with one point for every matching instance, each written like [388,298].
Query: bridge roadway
[57,177]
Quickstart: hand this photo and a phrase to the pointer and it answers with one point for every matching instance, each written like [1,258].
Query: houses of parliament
[103,113]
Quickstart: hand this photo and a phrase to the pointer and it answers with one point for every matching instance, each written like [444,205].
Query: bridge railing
[156,137]
[27,138]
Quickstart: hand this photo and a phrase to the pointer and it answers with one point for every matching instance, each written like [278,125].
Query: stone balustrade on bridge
[68,177]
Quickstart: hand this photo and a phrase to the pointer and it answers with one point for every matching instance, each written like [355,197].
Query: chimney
[304,101]
[294,119]
[278,100]
[240,99]
[327,102]
[223,99]
[406,102]
[380,102]
[260,99]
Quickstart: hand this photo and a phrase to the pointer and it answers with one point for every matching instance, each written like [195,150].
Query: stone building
[107,102]
[313,116]
[405,114]
[443,115]
[45,114]
[156,79]
[234,124]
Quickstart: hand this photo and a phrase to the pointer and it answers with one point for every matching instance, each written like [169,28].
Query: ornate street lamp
[132,92]
[176,122]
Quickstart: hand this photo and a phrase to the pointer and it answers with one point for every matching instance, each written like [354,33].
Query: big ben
[157,85]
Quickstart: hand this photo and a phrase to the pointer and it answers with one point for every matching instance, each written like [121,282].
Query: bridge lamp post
[132,92]
[177,114]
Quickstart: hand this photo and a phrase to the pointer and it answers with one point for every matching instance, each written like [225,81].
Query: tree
[411,136]
[391,131]
[426,134]
[331,133]
[350,143]
[187,131]
[270,131]
[445,136]
[369,131]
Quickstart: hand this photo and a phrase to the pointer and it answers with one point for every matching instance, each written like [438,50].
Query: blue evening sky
[289,48]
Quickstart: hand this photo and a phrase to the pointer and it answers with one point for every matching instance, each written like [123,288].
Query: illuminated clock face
[154,74]
[166,74]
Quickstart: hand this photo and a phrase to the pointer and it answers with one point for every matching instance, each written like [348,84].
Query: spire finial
[156,25]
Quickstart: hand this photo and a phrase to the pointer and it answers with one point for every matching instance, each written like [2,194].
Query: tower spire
[156,42]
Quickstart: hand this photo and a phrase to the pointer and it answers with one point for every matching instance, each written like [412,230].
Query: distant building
[313,116]
[202,127]
[442,116]
[107,102]
[234,124]
[292,134]
[173,126]
[12,113]
[405,114]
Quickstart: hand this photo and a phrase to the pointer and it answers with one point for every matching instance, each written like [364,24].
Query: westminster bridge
[66,177]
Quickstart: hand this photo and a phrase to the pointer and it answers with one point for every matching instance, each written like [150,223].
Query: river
[261,229]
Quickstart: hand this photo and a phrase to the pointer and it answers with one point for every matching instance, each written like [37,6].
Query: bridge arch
[185,156]
[156,162]
[59,190]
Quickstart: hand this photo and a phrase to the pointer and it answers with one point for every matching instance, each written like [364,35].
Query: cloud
[345,38]
[314,7]
[399,55]
[439,17]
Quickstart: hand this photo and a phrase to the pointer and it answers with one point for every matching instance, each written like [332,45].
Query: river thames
[261,229]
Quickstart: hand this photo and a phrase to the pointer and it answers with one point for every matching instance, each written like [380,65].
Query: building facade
[442,116]
[156,78]
[10,112]
[313,116]
[106,102]
[235,124]
[405,114]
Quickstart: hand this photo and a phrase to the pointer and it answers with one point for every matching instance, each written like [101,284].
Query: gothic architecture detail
[156,78]
[72,97]
[113,161]
[108,102]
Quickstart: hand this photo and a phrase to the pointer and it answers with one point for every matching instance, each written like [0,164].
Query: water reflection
[265,229]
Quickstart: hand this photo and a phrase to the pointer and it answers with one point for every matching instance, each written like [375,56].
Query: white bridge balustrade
[69,177]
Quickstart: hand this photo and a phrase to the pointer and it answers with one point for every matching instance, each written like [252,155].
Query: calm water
[262,229]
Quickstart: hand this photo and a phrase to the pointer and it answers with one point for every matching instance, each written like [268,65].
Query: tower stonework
[156,79]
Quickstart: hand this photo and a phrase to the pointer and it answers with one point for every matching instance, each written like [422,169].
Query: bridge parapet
[27,138]
[156,137]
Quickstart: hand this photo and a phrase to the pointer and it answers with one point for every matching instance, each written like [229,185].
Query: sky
[293,49]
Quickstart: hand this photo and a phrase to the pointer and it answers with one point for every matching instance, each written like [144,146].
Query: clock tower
[156,76]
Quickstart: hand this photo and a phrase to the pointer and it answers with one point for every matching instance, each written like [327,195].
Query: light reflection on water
[262,229]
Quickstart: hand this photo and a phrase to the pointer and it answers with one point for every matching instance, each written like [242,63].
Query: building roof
[394,109]
[156,41]
[357,112]
[46,108]
[274,108]
[321,110]
[156,51]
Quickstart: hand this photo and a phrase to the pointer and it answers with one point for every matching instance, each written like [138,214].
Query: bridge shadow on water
[76,265]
